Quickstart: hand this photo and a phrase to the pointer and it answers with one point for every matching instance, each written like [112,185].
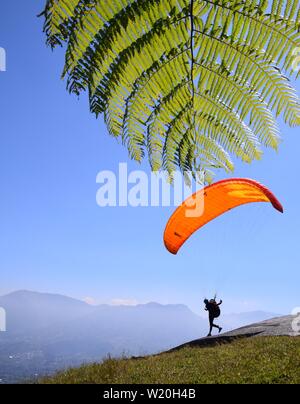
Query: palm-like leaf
[188,81]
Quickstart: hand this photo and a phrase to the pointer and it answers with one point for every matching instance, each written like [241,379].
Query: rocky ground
[280,326]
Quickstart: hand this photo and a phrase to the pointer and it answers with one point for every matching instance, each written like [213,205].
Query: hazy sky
[54,237]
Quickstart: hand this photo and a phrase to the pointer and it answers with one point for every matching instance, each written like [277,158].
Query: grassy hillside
[256,360]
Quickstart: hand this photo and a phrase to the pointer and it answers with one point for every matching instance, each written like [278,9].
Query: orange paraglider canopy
[211,202]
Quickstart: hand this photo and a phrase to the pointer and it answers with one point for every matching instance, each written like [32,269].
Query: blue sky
[54,237]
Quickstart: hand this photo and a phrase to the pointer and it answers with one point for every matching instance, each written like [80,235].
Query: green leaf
[190,83]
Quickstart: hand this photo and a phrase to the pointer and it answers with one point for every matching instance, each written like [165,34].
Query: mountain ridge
[49,332]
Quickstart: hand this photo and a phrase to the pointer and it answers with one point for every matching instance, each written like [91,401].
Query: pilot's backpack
[216,308]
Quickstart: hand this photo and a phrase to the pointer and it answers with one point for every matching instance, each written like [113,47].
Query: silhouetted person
[214,311]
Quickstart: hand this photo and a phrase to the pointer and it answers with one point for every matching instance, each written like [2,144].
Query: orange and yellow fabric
[211,202]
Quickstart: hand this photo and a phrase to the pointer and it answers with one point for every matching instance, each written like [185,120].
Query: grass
[263,360]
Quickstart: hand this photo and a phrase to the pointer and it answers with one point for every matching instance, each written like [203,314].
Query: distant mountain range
[47,332]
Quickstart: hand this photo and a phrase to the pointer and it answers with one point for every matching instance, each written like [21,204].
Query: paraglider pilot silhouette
[214,312]
[220,198]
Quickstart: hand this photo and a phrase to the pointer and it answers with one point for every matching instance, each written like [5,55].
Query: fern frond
[187,82]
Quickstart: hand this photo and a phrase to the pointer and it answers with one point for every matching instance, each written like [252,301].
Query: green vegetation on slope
[268,360]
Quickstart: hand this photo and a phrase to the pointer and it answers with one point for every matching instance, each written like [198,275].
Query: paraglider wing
[217,199]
